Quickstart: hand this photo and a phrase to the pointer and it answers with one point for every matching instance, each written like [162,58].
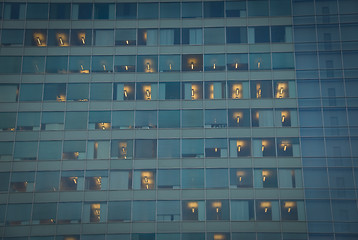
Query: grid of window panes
[178,120]
[325,43]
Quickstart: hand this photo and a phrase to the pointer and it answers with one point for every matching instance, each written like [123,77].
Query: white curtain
[120,91]
[187,91]
[251,35]
[266,118]
[218,91]
[257,147]
[258,179]
[233,148]
[101,152]
[285,177]
[104,38]
[119,180]
[152,37]
[167,37]
[240,210]
[161,91]
[195,36]
[275,211]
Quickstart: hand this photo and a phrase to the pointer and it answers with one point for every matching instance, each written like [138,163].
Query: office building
[178,120]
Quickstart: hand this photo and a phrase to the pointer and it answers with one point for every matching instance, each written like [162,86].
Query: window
[101,91]
[31,92]
[168,210]
[169,178]
[265,178]
[81,37]
[122,149]
[168,148]
[148,10]
[292,210]
[12,37]
[258,8]
[103,11]
[236,35]
[170,10]
[263,147]
[261,89]
[73,150]
[8,93]
[124,91]
[44,213]
[80,64]
[126,10]
[169,63]
[6,151]
[193,148]
[99,120]
[213,36]
[259,34]
[282,61]
[214,62]
[280,8]
[119,211]
[148,37]
[52,121]
[193,178]
[14,11]
[102,64]
[217,210]
[120,180]
[239,118]
[25,151]
[283,89]
[143,211]
[82,11]
[240,178]
[122,119]
[37,11]
[60,11]
[36,37]
[125,63]
[98,150]
[58,38]
[169,90]
[69,212]
[147,91]
[267,210]
[22,182]
[169,119]
[125,37]
[28,121]
[144,179]
[285,118]
[287,147]
[217,178]
[72,181]
[213,9]
[192,90]
[103,37]
[192,118]
[96,180]
[50,150]
[290,178]
[18,214]
[145,148]
[146,119]
[47,181]
[240,147]
[235,9]
[10,65]
[147,64]
[94,212]
[242,210]
[262,117]
[192,36]
[281,34]
[192,10]
[56,64]
[7,121]
[215,118]
[169,36]
[193,210]
[35,65]
[4,181]
[55,92]
[192,62]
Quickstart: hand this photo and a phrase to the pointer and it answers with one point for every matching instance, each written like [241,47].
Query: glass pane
[11,37]
[33,65]
[37,11]
[60,10]
[168,148]
[169,10]
[148,10]
[192,178]
[126,10]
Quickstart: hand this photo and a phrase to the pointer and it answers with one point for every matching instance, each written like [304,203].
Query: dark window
[37,11]
[148,10]
[236,35]
[60,10]
[103,11]
[82,11]
[12,37]
[213,9]
[170,10]
[14,10]
[126,10]
[192,10]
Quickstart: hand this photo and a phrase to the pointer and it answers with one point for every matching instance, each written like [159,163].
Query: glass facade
[179,120]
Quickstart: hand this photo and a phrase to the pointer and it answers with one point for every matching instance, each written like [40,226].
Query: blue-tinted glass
[37,11]
[213,9]
[60,10]
[192,10]
[126,10]
[148,10]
